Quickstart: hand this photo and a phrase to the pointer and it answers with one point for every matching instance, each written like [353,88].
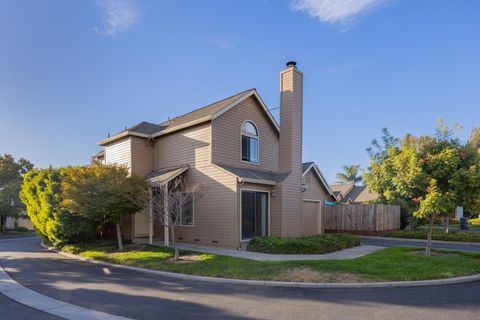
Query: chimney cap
[291,64]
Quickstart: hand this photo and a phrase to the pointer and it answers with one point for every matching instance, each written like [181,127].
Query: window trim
[257,137]
[193,212]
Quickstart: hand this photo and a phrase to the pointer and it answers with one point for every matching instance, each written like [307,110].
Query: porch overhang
[165,175]
[255,176]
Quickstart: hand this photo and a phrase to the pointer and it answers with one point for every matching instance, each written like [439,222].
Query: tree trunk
[428,249]
[119,237]
[447,225]
[174,243]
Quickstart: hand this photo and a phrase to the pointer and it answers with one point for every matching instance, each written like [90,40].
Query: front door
[254,214]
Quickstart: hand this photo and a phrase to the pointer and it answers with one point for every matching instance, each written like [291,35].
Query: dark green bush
[316,244]
[21,229]
[436,235]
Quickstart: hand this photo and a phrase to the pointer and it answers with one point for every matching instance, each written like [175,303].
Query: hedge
[436,235]
[316,244]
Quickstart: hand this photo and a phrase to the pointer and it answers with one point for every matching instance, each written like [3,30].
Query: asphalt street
[144,296]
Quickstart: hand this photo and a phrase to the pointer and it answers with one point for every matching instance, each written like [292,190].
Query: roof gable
[311,166]
[264,108]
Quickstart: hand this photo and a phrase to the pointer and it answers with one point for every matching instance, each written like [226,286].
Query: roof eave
[258,181]
[120,135]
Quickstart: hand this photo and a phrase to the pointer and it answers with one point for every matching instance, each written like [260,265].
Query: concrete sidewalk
[345,254]
[395,242]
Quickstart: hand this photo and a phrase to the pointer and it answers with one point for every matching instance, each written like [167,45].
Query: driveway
[144,296]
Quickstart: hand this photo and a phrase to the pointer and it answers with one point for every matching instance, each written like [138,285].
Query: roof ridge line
[208,105]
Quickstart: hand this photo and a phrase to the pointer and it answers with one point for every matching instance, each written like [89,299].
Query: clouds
[117,15]
[335,11]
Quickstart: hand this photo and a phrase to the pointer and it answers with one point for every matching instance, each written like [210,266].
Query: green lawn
[436,235]
[396,263]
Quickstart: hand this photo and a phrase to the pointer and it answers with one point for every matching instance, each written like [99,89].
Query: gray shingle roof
[361,194]
[209,110]
[204,111]
[356,194]
[341,188]
[266,176]
[146,128]
[305,166]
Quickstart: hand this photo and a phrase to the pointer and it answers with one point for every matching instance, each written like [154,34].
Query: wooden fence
[362,219]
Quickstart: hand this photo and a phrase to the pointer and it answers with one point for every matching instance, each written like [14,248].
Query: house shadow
[140,295]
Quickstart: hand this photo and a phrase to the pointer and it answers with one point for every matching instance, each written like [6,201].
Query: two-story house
[257,184]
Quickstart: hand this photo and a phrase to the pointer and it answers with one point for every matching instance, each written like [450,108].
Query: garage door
[309,217]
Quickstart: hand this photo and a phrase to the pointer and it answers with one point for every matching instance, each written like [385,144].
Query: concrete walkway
[345,254]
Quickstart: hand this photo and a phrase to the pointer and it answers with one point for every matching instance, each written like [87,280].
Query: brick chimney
[290,149]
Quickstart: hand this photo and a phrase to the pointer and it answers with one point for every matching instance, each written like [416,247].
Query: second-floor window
[249,142]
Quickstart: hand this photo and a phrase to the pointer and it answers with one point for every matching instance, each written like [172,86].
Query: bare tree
[171,204]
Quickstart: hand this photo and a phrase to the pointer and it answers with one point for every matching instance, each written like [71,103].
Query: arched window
[249,142]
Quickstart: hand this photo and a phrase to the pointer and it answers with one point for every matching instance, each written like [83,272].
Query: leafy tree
[350,174]
[11,173]
[435,202]
[102,193]
[42,196]
[427,176]
[378,151]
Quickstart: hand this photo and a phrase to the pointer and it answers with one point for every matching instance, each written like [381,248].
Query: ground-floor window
[254,212]
[187,204]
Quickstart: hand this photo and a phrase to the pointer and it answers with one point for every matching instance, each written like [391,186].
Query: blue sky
[72,71]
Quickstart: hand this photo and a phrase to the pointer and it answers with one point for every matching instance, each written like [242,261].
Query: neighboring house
[350,193]
[257,185]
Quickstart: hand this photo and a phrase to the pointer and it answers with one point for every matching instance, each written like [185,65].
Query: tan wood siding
[190,146]
[309,217]
[142,155]
[313,188]
[226,137]
[119,152]
[216,211]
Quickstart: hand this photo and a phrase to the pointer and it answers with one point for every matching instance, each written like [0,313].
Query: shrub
[475,221]
[316,244]
[436,235]
[42,195]
[21,229]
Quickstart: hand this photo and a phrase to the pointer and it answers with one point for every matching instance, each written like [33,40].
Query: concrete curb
[473,244]
[181,276]
[16,292]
